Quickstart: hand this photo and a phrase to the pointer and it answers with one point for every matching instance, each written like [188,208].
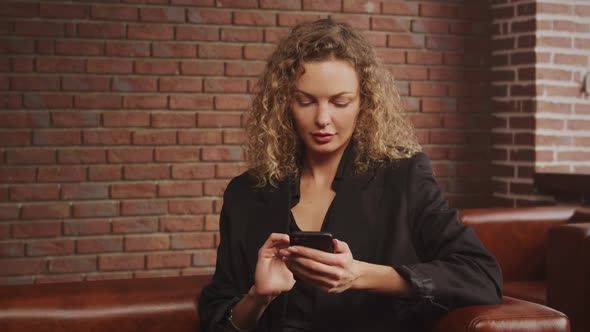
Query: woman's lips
[322,138]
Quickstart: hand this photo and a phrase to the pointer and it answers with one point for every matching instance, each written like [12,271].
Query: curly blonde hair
[274,149]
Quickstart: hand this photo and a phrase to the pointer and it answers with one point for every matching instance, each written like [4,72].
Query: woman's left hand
[330,273]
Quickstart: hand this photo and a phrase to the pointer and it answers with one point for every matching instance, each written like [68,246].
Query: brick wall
[540,55]
[120,121]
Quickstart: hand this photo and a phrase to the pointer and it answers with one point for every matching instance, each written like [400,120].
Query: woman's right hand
[272,276]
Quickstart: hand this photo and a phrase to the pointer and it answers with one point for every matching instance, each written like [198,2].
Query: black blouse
[394,214]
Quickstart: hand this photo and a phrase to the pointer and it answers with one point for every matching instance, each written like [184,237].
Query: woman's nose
[323,114]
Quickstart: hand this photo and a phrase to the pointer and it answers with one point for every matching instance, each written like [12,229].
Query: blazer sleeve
[455,269]
[223,292]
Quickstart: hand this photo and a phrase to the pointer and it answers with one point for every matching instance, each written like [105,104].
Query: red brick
[438,10]
[30,156]
[444,43]
[99,245]
[168,260]
[173,120]
[292,19]
[175,189]
[78,47]
[439,105]
[280,4]
[15,9]
[151,67]
[197,33]
[133,190]
[128,49]
[73,264]
[424,57]
[106,137]
[258,52]
[44,29]
[154,137]
[104,173]
[56,137]
[181,84]
[405,41]
[59,65]
[87,227]
[45,211]
[181,223]
[204,257]
[22,266]
[81,156]
[205,68]
[84,191]
[133,84]
[127,155]
[359,6]
[177,154]
[425,121]
[427,89]
[150,32]
[428,26]
[174,50]
[50,247]
[273,35]
[158,14]
[191,102]
[205,16]
[34,193]
[220,51]
[190,206]
[126,119]
[119,13]
[121,262]
[192,241]
[249,18]
[102,30]
[215,120]
[12,249]
[570,59]
[61,174]
[109,66]
[225,85]
[229,170]
[95,209]
[75,119]
[199,137]
[17,174]
[214,187]
[98,101]
[17,46]
[322,5]
[34,83]
[147,243]
[136,225]
[9,212]
[248,68]
[197,171]
[146,172]
[222,154]
[85,83]
[390,24]
[145,102]
[242,35]
[400,8]
[36,229]
[15,138]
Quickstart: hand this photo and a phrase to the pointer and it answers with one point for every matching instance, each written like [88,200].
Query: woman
[329,150]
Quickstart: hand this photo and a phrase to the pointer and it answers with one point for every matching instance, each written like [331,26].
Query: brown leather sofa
[544,253]
[171,304]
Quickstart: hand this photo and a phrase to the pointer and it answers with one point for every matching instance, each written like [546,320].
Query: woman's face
[326,106]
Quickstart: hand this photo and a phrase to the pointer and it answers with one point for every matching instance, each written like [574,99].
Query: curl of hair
[382,132]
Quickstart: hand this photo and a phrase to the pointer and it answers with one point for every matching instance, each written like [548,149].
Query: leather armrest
[512,316]
[568,273]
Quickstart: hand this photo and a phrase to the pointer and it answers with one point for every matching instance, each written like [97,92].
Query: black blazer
[394,214]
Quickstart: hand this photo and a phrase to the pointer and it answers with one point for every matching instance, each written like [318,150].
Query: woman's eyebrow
[307,94]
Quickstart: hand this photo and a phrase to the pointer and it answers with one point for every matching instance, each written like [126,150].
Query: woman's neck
[321,170]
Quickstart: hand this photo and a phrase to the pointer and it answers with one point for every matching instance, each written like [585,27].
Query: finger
[276,239]
[314,254]
[315,268]
[312,278]
[340,247]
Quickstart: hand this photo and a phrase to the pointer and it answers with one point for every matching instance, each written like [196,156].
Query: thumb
[340,247]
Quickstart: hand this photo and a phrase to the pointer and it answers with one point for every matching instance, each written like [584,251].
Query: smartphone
[317,240]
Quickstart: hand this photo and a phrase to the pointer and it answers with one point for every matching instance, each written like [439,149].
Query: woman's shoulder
[417,160]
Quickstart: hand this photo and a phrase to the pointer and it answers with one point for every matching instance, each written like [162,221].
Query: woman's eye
[340,104]
[304,103]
